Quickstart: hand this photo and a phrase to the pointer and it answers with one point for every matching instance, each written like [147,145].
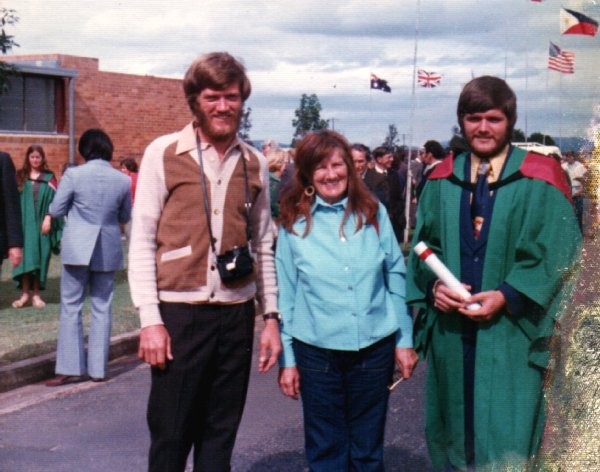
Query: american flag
[561,60]
[428,79]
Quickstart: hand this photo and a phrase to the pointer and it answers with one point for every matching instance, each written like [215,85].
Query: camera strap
[247,205]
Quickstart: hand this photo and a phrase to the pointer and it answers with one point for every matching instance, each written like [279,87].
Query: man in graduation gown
[512,238]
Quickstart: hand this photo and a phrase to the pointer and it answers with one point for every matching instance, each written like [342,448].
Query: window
[33,103]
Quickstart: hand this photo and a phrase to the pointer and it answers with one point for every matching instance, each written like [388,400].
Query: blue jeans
[344,400]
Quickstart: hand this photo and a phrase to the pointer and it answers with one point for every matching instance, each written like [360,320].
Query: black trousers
[199,398]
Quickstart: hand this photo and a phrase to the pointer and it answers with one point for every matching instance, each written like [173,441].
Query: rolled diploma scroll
[439,269]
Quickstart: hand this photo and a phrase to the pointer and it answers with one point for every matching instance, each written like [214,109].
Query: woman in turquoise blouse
[344,320]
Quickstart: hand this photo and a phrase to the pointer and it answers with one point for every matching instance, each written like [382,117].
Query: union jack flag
[428,79]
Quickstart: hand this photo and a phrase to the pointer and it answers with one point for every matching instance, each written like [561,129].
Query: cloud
[291,48]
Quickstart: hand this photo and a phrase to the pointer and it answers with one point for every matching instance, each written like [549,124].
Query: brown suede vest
[182,232]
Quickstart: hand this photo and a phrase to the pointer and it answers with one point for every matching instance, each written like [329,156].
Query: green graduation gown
[37,247]
[532,245]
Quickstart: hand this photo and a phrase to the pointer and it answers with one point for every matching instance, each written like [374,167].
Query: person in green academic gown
[41,234]
[512,239]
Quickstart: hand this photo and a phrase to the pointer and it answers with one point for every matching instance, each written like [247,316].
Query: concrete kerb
[36,369]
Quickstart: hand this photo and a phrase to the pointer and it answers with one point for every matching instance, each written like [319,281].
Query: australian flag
[379,84]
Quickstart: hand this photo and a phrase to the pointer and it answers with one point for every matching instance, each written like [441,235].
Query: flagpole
[560,112]
[526,77]
[410,131]
[370,108]
[546,95]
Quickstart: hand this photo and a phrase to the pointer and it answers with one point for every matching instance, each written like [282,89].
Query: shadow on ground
[397,459]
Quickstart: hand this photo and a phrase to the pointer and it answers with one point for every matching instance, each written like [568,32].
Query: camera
[235,264]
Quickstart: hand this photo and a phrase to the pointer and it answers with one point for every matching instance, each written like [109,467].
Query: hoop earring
[309,191]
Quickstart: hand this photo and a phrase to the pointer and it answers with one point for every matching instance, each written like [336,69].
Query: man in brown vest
[201,255]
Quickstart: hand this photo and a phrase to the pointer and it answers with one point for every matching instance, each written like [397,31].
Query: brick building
[57,97]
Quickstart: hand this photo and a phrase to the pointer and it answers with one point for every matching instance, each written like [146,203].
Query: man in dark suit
[360,158]
[11,231]
[433,155]
[385,184]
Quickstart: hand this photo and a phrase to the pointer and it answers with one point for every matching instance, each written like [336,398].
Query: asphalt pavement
[93,427]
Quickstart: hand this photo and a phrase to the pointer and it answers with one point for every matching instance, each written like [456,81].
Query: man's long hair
[484,93]
[215,70]
[310,152]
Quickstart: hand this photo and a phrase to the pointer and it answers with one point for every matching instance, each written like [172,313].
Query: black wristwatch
[272,316]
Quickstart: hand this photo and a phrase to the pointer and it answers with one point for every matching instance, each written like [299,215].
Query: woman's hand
[406,361]
[289,381]
[46,224]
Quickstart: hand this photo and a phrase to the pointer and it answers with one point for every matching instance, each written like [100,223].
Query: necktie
[481,198]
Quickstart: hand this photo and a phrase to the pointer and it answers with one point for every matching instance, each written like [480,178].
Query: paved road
[99,427]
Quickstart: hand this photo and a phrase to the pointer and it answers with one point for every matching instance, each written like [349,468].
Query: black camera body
[235,264]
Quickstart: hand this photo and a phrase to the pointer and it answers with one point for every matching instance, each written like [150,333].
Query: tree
[245,124]
[518,136]
[7,42]
[308,117]
[538,137]
[457,142]
[391,138]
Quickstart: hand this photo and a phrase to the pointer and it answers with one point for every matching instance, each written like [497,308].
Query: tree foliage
[391,139]
[245,124]
[7,17]
[308,117]
[538,137]
[518,136]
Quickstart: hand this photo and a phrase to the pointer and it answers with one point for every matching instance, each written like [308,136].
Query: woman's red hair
[310,152]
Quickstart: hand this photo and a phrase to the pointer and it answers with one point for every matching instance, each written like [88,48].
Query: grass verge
[29,332]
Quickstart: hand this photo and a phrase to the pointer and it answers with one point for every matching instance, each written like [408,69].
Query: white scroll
[442,272]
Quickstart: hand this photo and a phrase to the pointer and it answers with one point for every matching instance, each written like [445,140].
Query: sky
[330,48]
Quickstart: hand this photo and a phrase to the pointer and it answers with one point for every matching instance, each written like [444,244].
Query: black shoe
[61,379]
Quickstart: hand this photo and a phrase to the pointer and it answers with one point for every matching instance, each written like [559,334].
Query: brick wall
[56,148]
[132,109]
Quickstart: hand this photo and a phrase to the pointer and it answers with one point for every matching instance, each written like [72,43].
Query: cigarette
[442,272]
[395,384]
